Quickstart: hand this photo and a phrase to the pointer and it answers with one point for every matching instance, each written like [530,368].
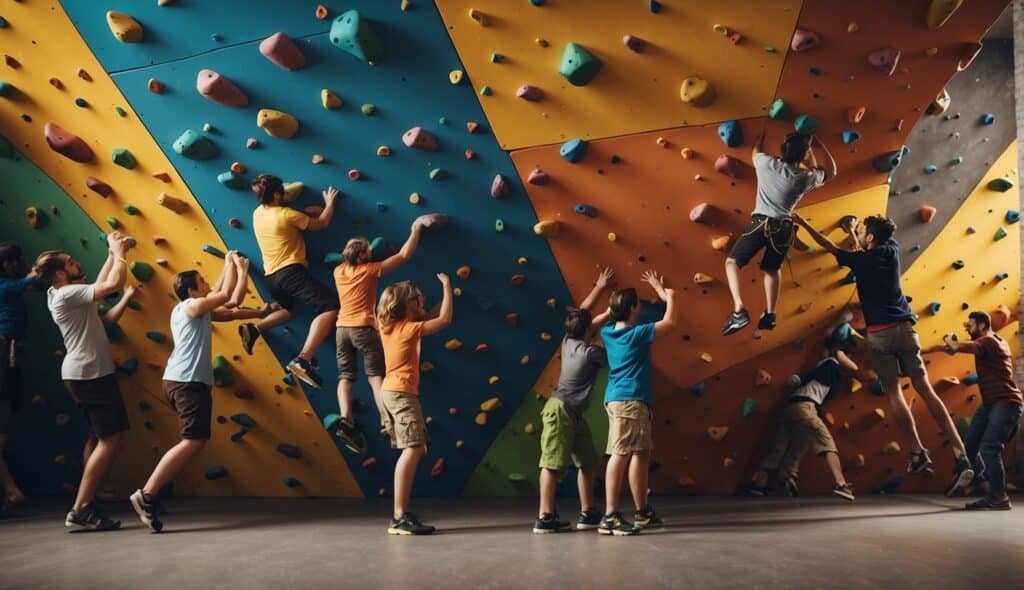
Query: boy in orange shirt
[401,317]
[356,279]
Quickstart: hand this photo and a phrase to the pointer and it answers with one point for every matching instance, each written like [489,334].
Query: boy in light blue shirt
[628,399]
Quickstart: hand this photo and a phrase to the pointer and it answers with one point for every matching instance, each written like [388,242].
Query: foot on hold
[147,509]
[790,486]
[988,503]
[736,322]
[302,369]
[249,334]
[409,525]
[91,518]
[844,491]
[920,462]
[351,435]
[963,475]
[549,523]
[767,321]
[589,519]
[614,524]
[647,518]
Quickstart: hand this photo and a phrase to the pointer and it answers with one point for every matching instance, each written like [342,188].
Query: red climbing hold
[530,93]
[56,83]
[499,186]
[729,166]
[512,319]
[67,144]
[280,49]
[220,89]
[438,467]
[156,86]
[538,176]
[926,213]
[235,223]
[472,126]
[321,12]
[81,73]
[885,59]
[420,139]
[98,186]
[763,378]
[162,176]
[354,174]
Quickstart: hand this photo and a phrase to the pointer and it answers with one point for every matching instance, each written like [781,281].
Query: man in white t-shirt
[88,368]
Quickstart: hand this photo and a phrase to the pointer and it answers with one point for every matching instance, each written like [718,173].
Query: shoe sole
[537,531]
[586,527]
[247,346]
[400,532]
[964,479]
[988,508]
[303,376]
[350,444]
[153,523]
[86,527]
[734,328]
[844,496]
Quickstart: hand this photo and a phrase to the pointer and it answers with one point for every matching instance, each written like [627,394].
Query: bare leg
[638,478]
[833,466]
[172,463]
[275,319]
[405,471]
[585,483]
[939,413]
[90,446]
[613,480]
[13,493]
[732,273]
[319,329]
[772,285]
[901,413]
[96,469]
[345,400]
[548,483]
[376,386]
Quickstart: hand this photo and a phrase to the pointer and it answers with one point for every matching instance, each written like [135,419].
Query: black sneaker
[147,510]
[91,518]
[614,524]
[590,519]
[351,435]
[791,488]
[549,523]
[249,334]
[647,518]
[754,491]
[301,368]
[844,491]
[962,477]
[736,322]
[988,503]
[767,321]
[409,525]
[921,462]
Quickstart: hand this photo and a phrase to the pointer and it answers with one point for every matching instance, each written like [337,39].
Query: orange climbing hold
[472,126]
[321,12]
[717,433]
[721,243]
[463,272]
[854,115]
[926,213]
[763,378]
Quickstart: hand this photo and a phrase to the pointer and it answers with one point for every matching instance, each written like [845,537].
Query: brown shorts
[101,401]
[895,351]
[366,340]
[800,430]
[193,404]
[403,419]
[629,428]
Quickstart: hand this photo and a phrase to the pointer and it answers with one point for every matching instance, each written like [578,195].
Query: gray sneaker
[91,518]
[148,510]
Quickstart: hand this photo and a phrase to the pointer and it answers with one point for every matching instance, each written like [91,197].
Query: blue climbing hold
[987,119]
[213,250]
[128,367]
[584,209]
[353,34]
[889,162]
[850,136]
[805,124]
[537,2]
[876,387]
[156,336]
[144,405]
[331,420]
[288,450]
[114,333]
[1002,276]
[654,5]
[243,419]
[699,388]
[933,307]
[930,169]
[292,482]
[1012,216]
[231,180]
[333,258]
[971,379]
[573,150]
[730,133]
[215,472]
[381,206]
[849,279]
[195,147]
[892,484]
[3,23]
[81,102]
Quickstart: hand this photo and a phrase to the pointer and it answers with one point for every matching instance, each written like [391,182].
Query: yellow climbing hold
[176,205]
[879,413]
[455,76]
[415,198]
[525,360]
[453,344]
[479,17]
[493,379]
[551,302]
[426,367]
[277,123]
[490,405]
[706,357]
[939,11]
[457,291]
[459,443]
[859,460]
[855,386]
[612,237]
[330,100]
[522,261]
[728,462]
[481,419]
[931,51]
[125,28]
[717,433]
[702,279]
[292,191]
[405,5]
[852,27]
[529,428]
[548,229]
[686,153]
[545,336]
[696,92]
[384,151]
[891,449]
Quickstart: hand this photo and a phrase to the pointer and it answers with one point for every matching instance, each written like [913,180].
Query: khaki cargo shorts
[895,351]
[403,419]
[629,428]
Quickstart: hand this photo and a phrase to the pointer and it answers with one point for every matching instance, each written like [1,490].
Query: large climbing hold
[702,213]
[573,150]
[222,375]
[967,55]
[578,65]
[123,158]
[697,92]
[141,271]
[277,123]
[889,162]
[939,11]
[420,139]
[169,202]
[67,144]
[885,59]
[728,165]
[195,147]
[282,50]
[805,124]
[804,40]
[778,110]
[731,133]
[124,28]
[530,93]
[353,34]
[220,89]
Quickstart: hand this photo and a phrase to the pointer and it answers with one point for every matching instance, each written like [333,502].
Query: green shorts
[565,436]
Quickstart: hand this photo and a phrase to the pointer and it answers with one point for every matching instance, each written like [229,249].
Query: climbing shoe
[789,484]
[249,334]
[589,519]
[409,525]
[844,491]
[91,518]
[920,462]
[767,321]
[614,524]
[987,503]
[963,475]
[302,369]
[736,322]
[147,510]
[351,435]
[549,523]
[647,518]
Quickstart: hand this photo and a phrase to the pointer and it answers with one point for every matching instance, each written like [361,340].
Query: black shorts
[101,401]
[294,282]
[193,404]
[774,235]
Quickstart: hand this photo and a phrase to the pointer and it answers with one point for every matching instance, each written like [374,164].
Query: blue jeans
[991,428]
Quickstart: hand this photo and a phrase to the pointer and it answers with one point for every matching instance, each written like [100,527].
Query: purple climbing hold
[499,186]
[530,93]
[634,43]
[804,40]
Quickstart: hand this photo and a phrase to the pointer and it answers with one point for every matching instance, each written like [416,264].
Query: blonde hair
[394,303]
[354,249]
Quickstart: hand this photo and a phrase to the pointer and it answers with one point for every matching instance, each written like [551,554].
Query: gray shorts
[896,351]
[366,340]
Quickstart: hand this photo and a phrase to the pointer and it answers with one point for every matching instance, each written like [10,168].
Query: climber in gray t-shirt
[781,183]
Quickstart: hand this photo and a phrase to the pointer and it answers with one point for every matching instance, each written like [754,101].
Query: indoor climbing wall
[558,137]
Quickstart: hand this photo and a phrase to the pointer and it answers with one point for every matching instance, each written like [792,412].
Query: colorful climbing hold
[124,28]
[731,133]
[67,144]
[123,158]
[885,59]
[195,147]
[634,43]
[778,110]
[1000,184]
[421,139]
[141,271]
[573,150]
[805,124]
[728,165]
[926,213]
[353,34]
[282,50]
[987,119]
[702,213]
[219,89]
[547,228]
[696,92]
[530,93]
[277,123]
[940,11]
[578,65]
[850,136]
[176,205]
[804,40]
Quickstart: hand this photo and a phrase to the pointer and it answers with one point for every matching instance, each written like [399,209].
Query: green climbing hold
[499,225]
[748,407]
[333,258]
[779,110]
[113,222]
[578,65]
[437,174]
[351,33]
[1000,184]
[195,147]
[377,244]
[120,111]
[805,124]
[956,161]
[331,420]
[1000,234]
[5,88]
[213,250]
[231,180]
[141,271]
[516,477]
[770,49]
[485,90]
[124,158]
[222,375]
[962,425]
[131,209]
[368,108]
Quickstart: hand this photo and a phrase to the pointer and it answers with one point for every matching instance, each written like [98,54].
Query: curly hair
[265,187]
[395,303]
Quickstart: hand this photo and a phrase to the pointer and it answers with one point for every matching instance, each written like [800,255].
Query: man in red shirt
[997,418]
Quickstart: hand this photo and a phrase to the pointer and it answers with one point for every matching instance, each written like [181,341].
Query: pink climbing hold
[420,139]
[729,166]
[67,144]
[432,220]
[280,49]
[251,143]
[499,186]
[538,176]
[530,93]
[98,186]
[220,89]
[885,59]
[804,40]
[634,43]
[702,213]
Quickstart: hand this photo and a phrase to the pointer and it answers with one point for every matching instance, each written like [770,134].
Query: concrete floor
[876,542]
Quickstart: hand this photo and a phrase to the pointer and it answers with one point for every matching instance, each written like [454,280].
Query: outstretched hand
[330,194]
[604,280]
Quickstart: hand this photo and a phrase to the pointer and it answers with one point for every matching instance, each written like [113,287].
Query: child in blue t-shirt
[628,398]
